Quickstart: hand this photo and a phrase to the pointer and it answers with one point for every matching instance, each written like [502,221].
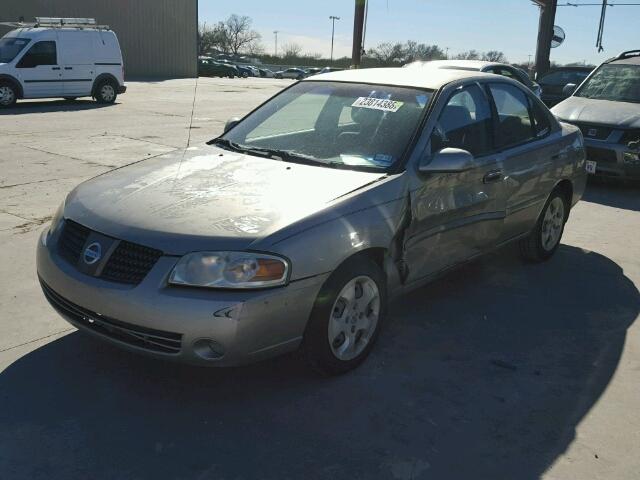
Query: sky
[506,25]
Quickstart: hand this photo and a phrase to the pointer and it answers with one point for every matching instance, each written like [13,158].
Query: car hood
[208,199]
[601,112]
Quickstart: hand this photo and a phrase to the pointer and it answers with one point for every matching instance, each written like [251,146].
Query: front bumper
[175,322]
[613,159]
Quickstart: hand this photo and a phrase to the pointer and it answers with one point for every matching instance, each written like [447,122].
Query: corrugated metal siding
[157,37]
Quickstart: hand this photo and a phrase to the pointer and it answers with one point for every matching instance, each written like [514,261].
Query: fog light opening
[208,349]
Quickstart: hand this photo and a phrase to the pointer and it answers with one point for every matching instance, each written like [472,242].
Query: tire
[545,238]
[8,94]
[245,74]
[299,77]
[106,92]
[341,331]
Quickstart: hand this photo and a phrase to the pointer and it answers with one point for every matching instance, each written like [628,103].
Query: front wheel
[545,238]
[346,318]
[106,92]
[8,95]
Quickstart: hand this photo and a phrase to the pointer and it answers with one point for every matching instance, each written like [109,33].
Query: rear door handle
[68,68]
[55,68]
[492,176]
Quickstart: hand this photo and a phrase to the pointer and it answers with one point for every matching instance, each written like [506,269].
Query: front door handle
[492,176]
[55,68]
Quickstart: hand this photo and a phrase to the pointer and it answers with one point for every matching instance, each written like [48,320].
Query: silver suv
[606,107]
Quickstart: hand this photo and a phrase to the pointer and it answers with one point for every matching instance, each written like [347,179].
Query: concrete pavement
[498,370]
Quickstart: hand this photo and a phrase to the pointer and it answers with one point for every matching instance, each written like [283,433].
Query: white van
[60,57]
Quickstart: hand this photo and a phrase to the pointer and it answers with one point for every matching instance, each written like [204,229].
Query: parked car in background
[503,69]
[312,71]
[308,215]
[331,69]
[553,82]
[208,67]
[295,73]
[265,72]
[606,107]
[255,72]
[60,57]
[244,71]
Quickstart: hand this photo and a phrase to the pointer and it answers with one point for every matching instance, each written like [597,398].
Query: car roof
[467,64]
[402,77]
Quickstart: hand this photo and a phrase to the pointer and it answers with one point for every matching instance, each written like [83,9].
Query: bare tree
[387,53]
[494,56]
[468,55]
[238,34]
[211,38]
[291,50]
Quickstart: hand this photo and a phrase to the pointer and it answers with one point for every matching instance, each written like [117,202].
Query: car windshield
[343,125]
[615,82]
[11,47]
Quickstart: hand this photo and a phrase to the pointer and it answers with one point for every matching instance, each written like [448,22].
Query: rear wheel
[8,94]
[106,92]
[545,238]
[346,317]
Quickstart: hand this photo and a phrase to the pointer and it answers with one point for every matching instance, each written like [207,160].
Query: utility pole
[275,32]
[358,29]
[333,31]
[446,55]
[545,34]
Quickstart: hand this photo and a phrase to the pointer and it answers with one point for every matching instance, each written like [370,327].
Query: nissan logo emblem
[92,253]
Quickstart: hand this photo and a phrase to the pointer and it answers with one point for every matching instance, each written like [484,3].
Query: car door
[523,134]
[77,60]
[456,216]
[39,71]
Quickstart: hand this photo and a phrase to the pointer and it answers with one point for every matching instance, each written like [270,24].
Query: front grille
[601,155]
[146,338]
[129,263]
[597,132]
[72,240]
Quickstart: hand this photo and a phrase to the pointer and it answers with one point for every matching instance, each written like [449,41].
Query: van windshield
[11,47]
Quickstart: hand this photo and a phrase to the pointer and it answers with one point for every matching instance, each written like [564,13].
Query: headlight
[230,270]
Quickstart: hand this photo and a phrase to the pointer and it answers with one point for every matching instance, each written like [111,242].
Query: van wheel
[8,95]
[346,318]
[545,238]
[106,92]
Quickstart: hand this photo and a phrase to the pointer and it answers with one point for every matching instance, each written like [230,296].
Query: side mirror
[447,160]
[568,89]
[232,122]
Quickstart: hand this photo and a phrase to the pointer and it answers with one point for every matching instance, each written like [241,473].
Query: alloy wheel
[552,224]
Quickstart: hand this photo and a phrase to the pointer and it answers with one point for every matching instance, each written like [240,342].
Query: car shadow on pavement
[613,193]
[482,374]
[23,108]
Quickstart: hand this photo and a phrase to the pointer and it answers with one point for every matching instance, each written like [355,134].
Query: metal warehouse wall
[158,37]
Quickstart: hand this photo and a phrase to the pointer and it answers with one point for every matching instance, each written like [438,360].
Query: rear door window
[514,125]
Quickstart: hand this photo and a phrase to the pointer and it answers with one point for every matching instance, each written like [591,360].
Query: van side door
[39,71]
[77,60]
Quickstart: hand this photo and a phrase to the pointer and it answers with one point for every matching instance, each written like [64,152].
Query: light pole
[446,55]
[275,32]
[333,30]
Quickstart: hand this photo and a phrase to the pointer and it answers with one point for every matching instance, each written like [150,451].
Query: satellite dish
[558,36]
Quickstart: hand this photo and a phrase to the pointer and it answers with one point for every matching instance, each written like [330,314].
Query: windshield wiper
[223,142]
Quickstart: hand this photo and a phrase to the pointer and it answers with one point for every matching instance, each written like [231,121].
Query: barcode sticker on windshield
[377,104]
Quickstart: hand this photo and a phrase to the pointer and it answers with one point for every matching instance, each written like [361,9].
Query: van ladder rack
[59,22]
